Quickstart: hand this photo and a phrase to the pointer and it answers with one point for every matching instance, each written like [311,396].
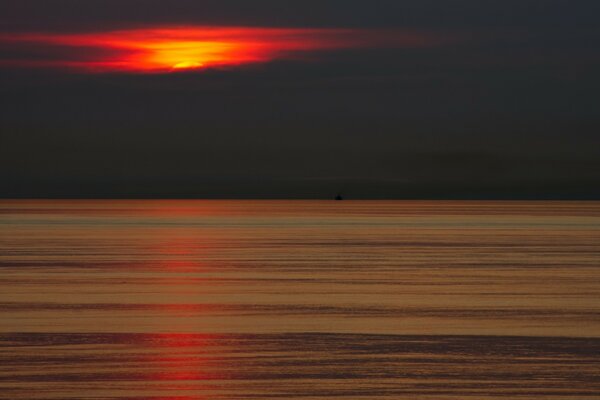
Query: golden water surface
[182,300]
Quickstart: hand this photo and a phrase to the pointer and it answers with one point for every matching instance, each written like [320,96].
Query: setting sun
[188,65]
[186,54]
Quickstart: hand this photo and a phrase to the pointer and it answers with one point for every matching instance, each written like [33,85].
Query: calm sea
[185,300]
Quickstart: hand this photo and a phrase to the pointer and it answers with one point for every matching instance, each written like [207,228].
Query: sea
[244,299]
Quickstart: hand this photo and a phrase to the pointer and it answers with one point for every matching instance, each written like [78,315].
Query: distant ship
[339,197]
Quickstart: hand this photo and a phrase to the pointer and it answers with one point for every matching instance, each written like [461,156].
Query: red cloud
[180,48]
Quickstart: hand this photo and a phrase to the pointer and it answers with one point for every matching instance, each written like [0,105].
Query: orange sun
[189,64]
[186,54]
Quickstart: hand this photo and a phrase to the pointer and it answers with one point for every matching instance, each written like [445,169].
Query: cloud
[165,49]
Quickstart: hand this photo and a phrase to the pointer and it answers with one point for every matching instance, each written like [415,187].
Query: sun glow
[188,65]
[187,54]
[178,48]
[168,49]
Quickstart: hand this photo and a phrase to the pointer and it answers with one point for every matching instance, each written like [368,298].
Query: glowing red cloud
[184,48]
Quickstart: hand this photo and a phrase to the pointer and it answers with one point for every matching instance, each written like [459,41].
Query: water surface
[299,300]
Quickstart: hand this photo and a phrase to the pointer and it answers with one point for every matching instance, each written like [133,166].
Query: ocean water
[182,300]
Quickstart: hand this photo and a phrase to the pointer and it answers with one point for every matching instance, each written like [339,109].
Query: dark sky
[505,105]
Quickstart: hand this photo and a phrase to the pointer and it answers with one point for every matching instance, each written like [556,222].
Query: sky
[300,99]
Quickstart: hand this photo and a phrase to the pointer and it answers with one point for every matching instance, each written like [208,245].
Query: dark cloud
[461,14]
